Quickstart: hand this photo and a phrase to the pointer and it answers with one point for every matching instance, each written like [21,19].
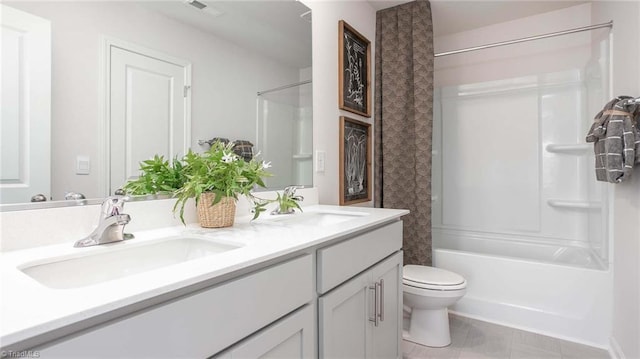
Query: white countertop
[30,309]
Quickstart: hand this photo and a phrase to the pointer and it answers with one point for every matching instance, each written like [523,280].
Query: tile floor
[474,339]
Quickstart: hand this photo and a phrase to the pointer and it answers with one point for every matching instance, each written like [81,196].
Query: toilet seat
[432,278]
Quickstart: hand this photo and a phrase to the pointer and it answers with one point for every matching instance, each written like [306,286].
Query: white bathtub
[548,289]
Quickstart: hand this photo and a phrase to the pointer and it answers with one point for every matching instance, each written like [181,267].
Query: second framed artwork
[354,67]
[355,161]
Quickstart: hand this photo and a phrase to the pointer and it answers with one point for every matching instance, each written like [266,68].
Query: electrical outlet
[83,165]
[320,158]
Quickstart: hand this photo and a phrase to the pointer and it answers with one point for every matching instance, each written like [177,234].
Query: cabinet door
[290,337]
[386,340]
[344,319]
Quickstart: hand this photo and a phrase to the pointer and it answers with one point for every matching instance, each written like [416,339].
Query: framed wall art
[354,67]
[355,161]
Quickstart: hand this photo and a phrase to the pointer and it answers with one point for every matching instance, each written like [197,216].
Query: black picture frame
[355,161]
[354,66]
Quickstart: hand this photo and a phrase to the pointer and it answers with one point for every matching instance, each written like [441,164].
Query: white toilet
[428,291]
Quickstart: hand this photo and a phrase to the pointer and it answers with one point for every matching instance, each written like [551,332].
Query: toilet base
[429,327]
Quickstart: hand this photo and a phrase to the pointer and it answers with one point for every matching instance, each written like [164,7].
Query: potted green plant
[215,179]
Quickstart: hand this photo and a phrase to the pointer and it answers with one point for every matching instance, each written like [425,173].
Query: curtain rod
[524,39]
[284,87]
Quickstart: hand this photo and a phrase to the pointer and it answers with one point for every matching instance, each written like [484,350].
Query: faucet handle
[113,205]
[291,190]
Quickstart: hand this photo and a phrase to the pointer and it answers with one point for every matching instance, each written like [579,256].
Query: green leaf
[196,173]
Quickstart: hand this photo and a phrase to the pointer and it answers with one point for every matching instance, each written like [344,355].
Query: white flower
[228,158]
[266,164]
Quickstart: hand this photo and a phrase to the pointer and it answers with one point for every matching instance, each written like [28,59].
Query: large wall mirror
[129,79]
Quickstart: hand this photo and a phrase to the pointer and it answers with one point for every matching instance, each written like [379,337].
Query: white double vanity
[324,283]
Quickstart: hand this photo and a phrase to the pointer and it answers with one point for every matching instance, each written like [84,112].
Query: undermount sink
[317,218]
[75,271]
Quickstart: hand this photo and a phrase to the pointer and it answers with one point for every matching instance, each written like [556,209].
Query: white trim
[145,51]
[187,106]
[104,73]
[615,351]
[105,98]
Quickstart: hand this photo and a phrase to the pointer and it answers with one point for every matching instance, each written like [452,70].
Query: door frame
[105,98]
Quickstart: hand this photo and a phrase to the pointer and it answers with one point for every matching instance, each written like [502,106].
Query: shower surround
[516,208]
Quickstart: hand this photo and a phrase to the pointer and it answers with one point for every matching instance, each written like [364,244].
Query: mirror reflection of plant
[158,176]
[287,203]
[222,172]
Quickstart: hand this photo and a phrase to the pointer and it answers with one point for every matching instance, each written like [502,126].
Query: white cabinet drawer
[202,324]
[341,261]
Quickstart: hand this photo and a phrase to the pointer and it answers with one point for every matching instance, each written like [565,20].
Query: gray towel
[616,140]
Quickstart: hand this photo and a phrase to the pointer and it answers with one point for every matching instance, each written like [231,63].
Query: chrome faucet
[111,226]
[285,205]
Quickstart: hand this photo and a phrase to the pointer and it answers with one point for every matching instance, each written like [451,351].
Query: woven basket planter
[222,214]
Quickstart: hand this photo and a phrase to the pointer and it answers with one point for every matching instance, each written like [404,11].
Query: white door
[25,103]
[148,110]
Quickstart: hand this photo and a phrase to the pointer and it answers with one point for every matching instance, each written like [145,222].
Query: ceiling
[274,29]
[261,26]
[452,16]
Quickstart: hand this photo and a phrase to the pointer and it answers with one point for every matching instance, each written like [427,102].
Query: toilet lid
[426,277]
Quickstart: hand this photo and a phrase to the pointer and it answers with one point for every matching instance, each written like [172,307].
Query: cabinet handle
[381,312]
[375,304]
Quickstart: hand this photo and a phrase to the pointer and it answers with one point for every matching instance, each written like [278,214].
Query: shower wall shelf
[571,204]
[571,149]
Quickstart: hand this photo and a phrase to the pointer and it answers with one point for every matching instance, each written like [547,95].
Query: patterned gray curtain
[403,121]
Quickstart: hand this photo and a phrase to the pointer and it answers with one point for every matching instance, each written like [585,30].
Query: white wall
[626,207]
[225,80]
[517,59]
[326,14]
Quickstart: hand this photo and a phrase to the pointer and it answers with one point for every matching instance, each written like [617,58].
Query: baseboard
[532,330]
[615,352]
[549,323]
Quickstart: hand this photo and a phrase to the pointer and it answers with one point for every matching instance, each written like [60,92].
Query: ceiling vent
[197,4]
[201,6]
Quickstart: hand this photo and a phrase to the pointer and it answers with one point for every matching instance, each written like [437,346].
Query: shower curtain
[403,121]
